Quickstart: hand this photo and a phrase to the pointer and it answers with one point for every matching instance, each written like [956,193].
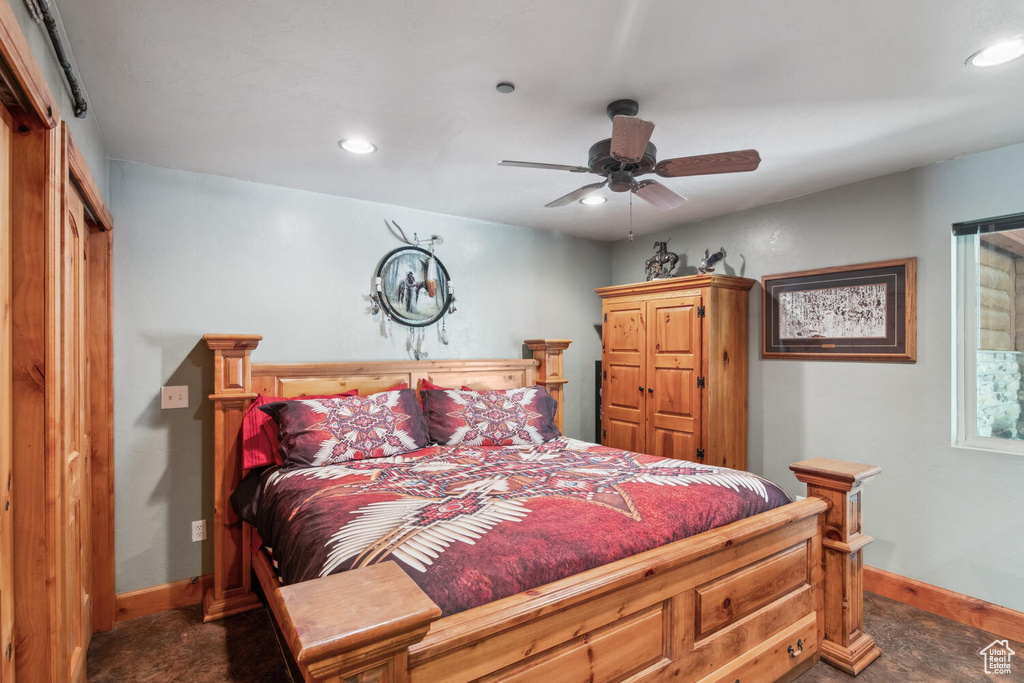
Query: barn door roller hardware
[40,11]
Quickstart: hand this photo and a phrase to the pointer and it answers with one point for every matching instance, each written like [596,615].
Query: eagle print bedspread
[474,524]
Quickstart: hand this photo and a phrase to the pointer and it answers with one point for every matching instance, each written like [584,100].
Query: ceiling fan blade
[653,192]
[706,164]
[630,136]
[550,167]
[576,194]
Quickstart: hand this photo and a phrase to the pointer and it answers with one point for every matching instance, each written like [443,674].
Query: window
[989,333]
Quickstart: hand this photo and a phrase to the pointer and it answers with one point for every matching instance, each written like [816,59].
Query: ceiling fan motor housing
[603,163]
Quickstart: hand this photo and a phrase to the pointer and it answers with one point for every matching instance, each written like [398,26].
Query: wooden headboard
[237,381]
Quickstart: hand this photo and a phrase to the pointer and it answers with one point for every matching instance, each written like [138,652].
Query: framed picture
[413,286]
[865,312]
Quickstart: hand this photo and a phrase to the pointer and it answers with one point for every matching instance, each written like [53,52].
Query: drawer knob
[726,603]
[799,649]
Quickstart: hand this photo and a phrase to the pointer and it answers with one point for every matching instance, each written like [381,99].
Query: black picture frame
[408,293]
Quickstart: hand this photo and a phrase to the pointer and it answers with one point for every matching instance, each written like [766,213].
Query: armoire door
[75,434]
[622,399]
[673,366]
[6,416]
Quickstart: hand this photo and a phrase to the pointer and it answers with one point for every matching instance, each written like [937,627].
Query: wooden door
[6,416]
[623,385]
[673,366]
[75,434]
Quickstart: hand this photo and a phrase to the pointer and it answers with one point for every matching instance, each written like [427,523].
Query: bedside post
[231,592]
[845,645]
[549,373]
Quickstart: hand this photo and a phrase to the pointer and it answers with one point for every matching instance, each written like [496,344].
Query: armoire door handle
[650,390]
[640,388]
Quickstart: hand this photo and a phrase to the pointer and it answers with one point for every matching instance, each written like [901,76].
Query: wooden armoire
[56,383]
[674,368]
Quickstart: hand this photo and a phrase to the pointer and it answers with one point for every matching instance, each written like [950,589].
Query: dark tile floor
[177,646]
[919,647]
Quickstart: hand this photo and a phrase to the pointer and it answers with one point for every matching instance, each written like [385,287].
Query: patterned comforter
[474,524]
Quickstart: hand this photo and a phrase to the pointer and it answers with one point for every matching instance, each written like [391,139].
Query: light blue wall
[195,254]
[85,131]
[944,515]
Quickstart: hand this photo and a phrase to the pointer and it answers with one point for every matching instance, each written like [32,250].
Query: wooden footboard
[742,601]
[761,599]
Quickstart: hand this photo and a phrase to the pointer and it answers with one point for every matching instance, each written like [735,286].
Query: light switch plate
[173,397]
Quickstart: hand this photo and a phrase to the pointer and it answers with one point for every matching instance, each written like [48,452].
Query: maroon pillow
[332,431]
[513,417]
[260,446]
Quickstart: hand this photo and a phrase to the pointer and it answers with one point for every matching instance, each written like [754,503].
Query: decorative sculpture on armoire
[707,264]
[661,265]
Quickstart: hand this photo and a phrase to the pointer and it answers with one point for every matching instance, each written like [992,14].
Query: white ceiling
[828,92]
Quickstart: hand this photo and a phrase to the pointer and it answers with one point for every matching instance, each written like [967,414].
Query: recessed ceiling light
[505,88]
[1000,53]
[591,200]
[357,146]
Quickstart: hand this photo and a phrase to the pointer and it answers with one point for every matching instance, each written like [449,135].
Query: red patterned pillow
[513,417]
[260,446]
[331,431]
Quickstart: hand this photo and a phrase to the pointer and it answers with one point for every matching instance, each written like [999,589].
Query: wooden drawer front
[772,659]
[620,649]
[723,601]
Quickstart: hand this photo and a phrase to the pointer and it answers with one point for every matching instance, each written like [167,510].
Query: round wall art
[413,287]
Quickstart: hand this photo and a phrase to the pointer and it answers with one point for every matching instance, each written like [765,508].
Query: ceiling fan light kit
[629,153]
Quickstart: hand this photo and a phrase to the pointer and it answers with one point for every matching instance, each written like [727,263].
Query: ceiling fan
[628,154]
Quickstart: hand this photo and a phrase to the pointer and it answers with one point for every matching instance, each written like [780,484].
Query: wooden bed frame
[761,599]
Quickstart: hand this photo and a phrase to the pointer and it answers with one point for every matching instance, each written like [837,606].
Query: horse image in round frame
[413,286]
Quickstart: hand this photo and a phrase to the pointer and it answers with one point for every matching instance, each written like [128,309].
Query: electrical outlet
[199,530]
[173,397]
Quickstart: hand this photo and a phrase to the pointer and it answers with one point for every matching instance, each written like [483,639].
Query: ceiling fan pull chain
[631,216]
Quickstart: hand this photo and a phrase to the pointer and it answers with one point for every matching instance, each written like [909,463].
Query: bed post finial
[845,645]
[549,373]
[231,592]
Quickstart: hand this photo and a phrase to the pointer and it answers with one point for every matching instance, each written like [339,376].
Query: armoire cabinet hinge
[604,374]
[606,317]
[700,382]
[604,433]
[700,454]
[700,311]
